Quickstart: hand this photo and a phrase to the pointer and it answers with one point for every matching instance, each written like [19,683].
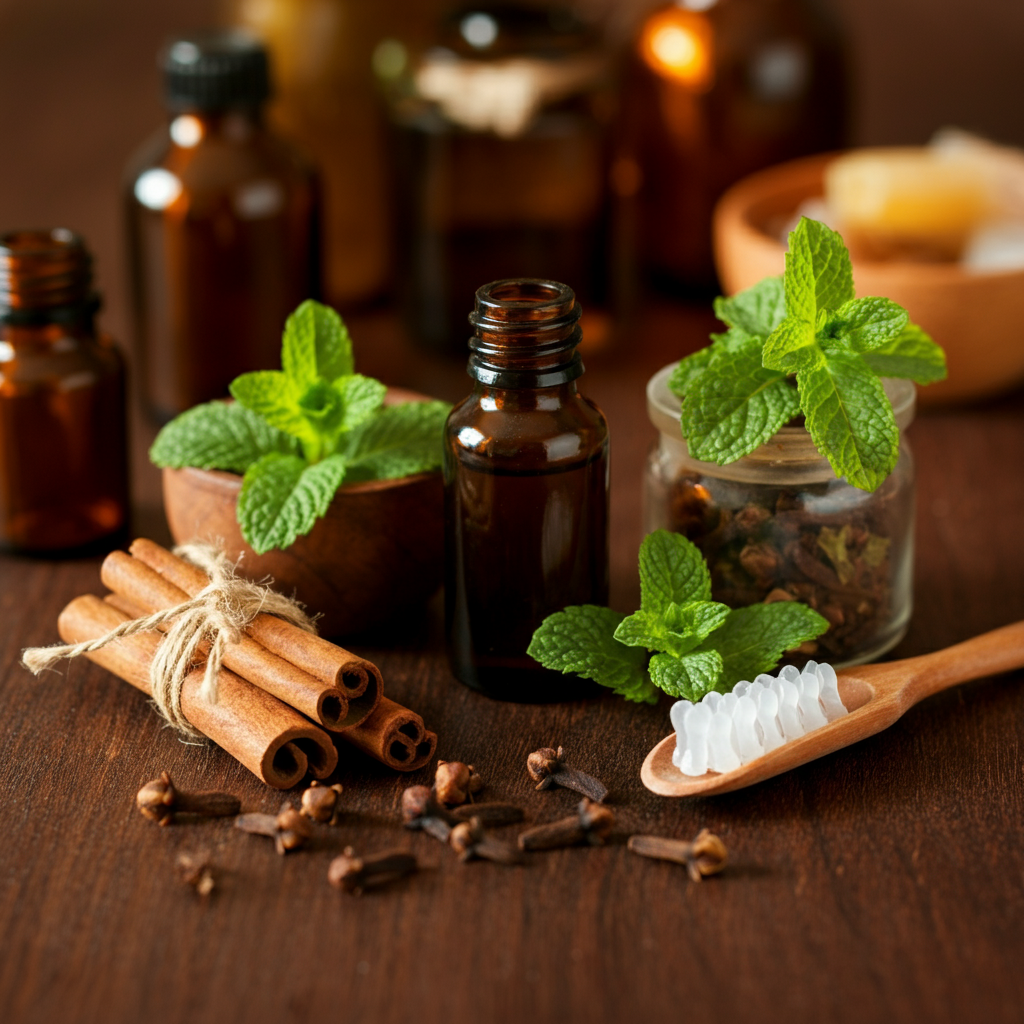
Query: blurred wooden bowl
[976,318]
[378,551]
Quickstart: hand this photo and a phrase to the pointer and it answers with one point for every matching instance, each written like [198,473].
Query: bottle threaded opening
[43,270]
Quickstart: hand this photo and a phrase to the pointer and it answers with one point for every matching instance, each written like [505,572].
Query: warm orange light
[677,44]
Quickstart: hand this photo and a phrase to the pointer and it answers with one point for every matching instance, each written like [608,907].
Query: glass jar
[777,525]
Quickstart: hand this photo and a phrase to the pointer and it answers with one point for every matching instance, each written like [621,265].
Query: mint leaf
[270,394]
[690,677]
[361,398]
[753,639]
[756,310]
[579,639]
[688,370]
[865,324]
[316,343]
[672,570]
[323,407]
[736,404]
[399,441]
[912,355]
[850,419]
[218,435]
[818,271]
[282,497]
[677,631]
[793,346]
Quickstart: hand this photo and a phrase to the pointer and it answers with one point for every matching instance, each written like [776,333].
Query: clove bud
[470,841]
[320,803]
[421,809]
[455,782]
[491,815]
[706,855]
[547,768]
[160,801]
[195,870]
[288,828]
[591,824]
[355,874]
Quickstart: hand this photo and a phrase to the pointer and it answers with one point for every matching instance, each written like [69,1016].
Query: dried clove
[591,824]
[288,828]
[195,870]
[547,768]
[491,815]
[455,782]
[421,809]
[706,855]
[470,841]
[160,801]
[320,803]
[355,874]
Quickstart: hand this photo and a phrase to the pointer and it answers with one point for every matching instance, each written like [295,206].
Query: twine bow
[218,614]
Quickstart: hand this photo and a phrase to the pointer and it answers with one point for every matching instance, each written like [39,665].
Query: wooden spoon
[875,696]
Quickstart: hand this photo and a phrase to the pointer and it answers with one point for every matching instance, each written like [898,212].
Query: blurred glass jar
[326,100]
[501,159]
[63,458]
[223,221]
[719,89]
[777,525]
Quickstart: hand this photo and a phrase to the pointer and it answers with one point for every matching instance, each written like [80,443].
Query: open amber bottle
[526,491]
[63,466]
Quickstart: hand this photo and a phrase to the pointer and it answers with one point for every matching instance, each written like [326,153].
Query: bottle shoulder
[70,360]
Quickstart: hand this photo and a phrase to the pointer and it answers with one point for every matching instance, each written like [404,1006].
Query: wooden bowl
[976,318]
[378,551]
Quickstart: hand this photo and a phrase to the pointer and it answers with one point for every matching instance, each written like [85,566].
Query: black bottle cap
[215,70]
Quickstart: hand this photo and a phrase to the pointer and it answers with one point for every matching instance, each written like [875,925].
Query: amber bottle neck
[45,277]
[525,333]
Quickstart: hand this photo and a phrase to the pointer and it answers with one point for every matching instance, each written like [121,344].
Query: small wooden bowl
[976,318]
[377,551]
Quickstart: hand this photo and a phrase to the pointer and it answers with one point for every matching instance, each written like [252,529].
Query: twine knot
[217,616]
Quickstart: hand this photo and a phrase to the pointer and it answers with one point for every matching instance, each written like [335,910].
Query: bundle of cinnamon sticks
[284,695]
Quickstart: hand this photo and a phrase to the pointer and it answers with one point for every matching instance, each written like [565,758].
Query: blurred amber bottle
[63,461]
[223,227]
[501,136]
[719,89]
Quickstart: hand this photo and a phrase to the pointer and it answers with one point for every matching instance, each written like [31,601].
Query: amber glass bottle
[223,225]
[63,467]
[526,491]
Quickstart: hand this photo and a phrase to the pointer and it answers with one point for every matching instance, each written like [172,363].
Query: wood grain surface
[885,882]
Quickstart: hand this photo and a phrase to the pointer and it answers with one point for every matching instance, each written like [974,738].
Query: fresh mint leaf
[850,419]
[399,441]
[323,406]
[270,394]
[218,435]
[580,639]
[865,324]
[316,344]
[753,639]
[756,310]
[282,497]
[677,631]
[912,355]
[818,271]
[793,346]
[672,570]
[688,370]
[736,405]
[690,676]
[361,398]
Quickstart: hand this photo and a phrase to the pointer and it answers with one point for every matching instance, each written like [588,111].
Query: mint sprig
[299,433]
[803,344]
[679,640]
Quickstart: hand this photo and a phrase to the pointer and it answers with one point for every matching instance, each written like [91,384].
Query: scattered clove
[160,801]
[455,782]
[547,768]
[288,828]
[195,870]
[706,855]
[591,824]
[491,815]
[470,841]
[421,809]
[355,874]
[320,803]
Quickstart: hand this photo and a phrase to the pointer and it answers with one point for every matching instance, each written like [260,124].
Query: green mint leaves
[299,433]
[679,641]
[806,329]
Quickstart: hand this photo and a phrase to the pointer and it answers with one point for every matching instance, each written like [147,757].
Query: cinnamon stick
[271,739]
[395,736]
[359,679]
[145,591]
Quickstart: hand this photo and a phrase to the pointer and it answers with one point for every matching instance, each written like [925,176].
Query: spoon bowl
[875,696]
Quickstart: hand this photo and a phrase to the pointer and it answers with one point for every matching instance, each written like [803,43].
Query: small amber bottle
[223,223]
[526,491]
[63,465]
